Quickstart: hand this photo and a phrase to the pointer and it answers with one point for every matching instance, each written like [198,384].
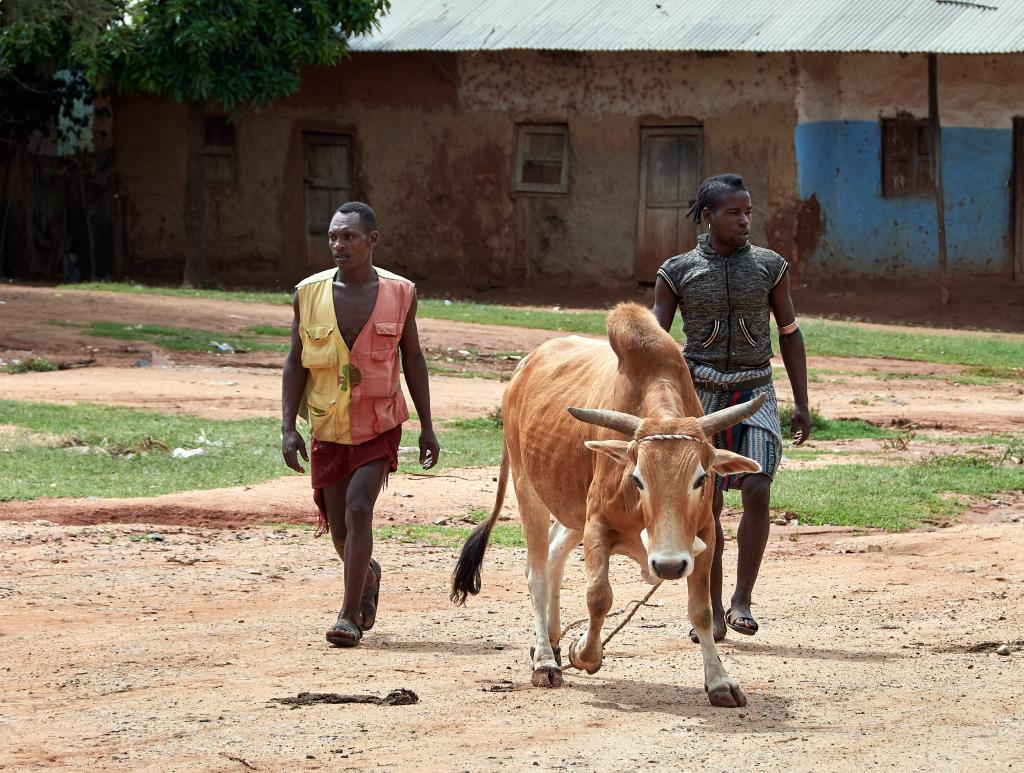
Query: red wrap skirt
[331,463]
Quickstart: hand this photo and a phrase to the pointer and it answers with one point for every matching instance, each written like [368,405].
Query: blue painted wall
[864,233]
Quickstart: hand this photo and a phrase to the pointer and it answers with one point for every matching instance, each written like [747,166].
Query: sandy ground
[874,652]
[224,393]
[122,651]
[407,499]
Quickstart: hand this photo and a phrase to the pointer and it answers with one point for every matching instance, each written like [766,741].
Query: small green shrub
[30,365]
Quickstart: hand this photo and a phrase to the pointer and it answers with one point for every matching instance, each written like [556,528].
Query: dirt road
[122,653]
[128,646]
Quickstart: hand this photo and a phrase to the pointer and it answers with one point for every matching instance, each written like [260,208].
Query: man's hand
[429,449]
[800,425]
[292,445]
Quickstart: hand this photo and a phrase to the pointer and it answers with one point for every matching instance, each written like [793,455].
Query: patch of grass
[974,375]
[847,339]
[30,365]
[821,337]
[581,322]
[181,338]
[433,308]
[591,322]
[1002,438]
[504,534]
[989,371]
[494,416]
[900,441]
[128,455]
[967,378]
[134,288]
[485,423]
[436,367]
[895,497]
[476,515]
[814,376]
[805,454]
[1014,452]
[127,452]
[270,330]
[464,443]
[834,429]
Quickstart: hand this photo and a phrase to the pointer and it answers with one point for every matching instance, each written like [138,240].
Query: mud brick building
[564,141]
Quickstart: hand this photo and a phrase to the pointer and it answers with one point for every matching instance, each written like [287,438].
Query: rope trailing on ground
[637,603]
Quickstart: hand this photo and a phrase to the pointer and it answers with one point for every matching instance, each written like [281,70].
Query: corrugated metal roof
[894,26]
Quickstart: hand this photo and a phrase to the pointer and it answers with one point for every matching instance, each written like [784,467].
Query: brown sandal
[348,627]
[732,619]
[371,597]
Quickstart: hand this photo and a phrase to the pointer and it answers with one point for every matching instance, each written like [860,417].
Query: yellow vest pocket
[318,349]
[321,412]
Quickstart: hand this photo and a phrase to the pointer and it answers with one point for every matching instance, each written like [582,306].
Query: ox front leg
[586,653]
[547,671]
[721,688]
[561,541]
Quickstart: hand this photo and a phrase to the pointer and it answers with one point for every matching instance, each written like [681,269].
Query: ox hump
[639,341]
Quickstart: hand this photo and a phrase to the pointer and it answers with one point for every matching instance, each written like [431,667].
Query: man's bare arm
[665,303]
[293,383]
[791,347]
[415,366]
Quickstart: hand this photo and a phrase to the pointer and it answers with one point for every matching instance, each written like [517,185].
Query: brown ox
[648,497]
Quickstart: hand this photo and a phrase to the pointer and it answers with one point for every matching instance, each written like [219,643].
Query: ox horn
[626,423]
[715,422]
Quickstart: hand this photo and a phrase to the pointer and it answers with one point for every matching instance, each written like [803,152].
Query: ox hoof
[574,658]
[727,695]
[546,676]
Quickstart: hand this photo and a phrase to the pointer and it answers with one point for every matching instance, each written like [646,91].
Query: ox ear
[728,463]
[616,449]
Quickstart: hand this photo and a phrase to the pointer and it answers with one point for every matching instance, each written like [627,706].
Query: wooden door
[327,184]
[1018,199]
[670,173]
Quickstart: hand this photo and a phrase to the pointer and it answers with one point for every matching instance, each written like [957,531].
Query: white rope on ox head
[639,440]
[671,437]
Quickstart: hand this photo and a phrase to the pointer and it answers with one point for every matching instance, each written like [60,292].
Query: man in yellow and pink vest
[352,323]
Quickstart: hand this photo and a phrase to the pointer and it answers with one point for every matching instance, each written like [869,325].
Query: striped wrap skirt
[759,437]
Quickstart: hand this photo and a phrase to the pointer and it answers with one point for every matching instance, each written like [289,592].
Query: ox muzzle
[669,564]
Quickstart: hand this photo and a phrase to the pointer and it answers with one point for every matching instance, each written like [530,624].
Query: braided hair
[712,190]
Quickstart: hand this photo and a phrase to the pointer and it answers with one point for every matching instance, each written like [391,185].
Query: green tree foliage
[41,75]
[42,90]
[233,54]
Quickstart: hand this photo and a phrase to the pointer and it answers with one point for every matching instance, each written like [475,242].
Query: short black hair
[367,216]
[712,190]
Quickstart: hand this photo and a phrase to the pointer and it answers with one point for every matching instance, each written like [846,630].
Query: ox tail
[466,576]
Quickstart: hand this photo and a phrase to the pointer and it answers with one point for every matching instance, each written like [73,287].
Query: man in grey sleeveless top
[724,290]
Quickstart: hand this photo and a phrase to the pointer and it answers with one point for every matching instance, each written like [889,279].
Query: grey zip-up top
[724,303]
